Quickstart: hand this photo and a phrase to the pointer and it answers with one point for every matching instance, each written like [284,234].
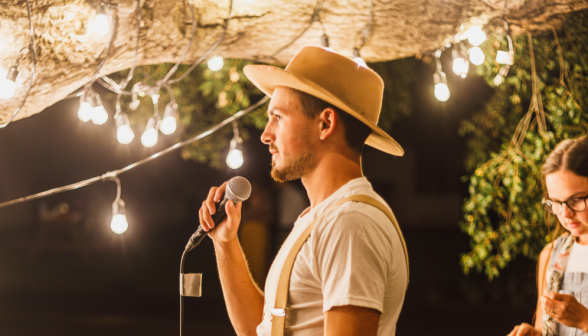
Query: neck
[332,171]
[582,240]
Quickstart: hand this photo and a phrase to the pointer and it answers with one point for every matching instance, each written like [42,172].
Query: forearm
[243,298]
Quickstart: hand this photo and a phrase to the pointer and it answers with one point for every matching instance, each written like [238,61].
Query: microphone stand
[182,290]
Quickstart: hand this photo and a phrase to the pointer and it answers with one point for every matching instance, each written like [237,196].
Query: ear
[328,121]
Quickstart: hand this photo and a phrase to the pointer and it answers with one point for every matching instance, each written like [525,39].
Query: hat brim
[267,78]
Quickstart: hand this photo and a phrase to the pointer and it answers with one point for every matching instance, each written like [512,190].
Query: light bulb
[8,84]
[458,65]
[101,25]
[124,132]
[476,36]
[235,158]
[498,80]
[119,224]
[99,115]
[442,92]
[477,56]
[169,123]
[151,135]
[216,63]
[85,111]
[360,62]
[441,88]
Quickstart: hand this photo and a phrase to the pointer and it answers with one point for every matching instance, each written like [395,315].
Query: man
[350,275]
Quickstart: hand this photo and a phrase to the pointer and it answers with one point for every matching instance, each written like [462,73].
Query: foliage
[205,98]
[509,140]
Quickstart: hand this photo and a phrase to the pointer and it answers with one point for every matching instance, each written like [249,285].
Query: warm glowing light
[101,25]
[235,158]
[442,92]
[124,134]
[119,224]
[169,124]
[85,112]
[360,61]
[99,115]
[8,84]
[477,56]
[216,63]
[151,135]
[458,66]
[476,36]
[498,80]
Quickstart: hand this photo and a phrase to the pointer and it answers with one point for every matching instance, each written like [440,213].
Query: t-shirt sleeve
[352,258]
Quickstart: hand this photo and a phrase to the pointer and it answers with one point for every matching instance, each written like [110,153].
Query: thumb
[233,211]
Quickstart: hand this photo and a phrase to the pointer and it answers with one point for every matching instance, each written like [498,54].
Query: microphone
[238,190]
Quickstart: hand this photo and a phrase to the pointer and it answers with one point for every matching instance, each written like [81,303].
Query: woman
[563,265]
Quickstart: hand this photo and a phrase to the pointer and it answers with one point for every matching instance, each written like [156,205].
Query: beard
[294,169]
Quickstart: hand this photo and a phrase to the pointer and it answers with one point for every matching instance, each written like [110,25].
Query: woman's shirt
[578,261]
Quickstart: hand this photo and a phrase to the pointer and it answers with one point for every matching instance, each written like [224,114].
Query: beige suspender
[279,311]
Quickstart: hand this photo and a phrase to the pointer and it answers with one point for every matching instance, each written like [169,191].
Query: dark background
[128,284]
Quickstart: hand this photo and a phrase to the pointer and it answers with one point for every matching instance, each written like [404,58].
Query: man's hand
[227,230]
[351,321]
[524,330]
[566,310]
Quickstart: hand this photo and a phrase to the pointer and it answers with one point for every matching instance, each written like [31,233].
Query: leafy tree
[542,102]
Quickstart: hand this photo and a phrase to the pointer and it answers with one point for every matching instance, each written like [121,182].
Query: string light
[235,157]
[477,56]
[124,132]
[216,63]
[506,58]
[98,113]
[8,83]
[169,124]
[101,24]
[476,36]
[441,89]
[150,136]
[119,223]
[85,111]
[461,65]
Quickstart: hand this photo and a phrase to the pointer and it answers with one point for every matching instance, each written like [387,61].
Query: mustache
[274,149]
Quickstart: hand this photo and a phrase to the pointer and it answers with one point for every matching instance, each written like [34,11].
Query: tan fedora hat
[336,79]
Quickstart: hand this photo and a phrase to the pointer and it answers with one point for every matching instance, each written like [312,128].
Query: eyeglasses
[576,204]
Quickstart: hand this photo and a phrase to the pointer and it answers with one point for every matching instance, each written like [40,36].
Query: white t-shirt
[353,256]
[578,260]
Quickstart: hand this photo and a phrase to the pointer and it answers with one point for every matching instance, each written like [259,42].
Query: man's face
[291,137]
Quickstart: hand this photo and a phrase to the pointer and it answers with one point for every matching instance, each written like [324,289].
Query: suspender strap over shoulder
[279,311]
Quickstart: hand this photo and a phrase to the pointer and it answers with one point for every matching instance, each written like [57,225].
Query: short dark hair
[356,132]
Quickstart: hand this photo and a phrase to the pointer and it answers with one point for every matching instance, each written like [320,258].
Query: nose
[267,137]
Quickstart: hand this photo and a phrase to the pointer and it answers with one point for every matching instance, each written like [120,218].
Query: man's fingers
[207,217]
[210,200]
[514,331]
[220,191]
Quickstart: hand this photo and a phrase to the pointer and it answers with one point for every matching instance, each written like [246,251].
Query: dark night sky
[128,284]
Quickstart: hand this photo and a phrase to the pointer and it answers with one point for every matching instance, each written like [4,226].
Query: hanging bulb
[441,89]
[85,111]
[357,58]
[101,24]
[169,124]
[119,223]
[235,157]
[8,84]
[124,132]
[150,136]
[98,113]
[477,56]
[476,36]
[216,63]
[460,64]
[325,42]
[498,80]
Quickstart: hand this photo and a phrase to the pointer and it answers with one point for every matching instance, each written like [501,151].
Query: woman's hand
[524,330]
[566,310]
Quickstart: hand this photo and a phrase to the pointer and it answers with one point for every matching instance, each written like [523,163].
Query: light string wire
[365,31]
[113,174]
[110,43]
[315,17]
[33,52]
[123,84]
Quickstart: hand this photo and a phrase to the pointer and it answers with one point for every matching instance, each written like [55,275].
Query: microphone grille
[238,189]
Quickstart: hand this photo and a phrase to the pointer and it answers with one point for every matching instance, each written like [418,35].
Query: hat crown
[350,86]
